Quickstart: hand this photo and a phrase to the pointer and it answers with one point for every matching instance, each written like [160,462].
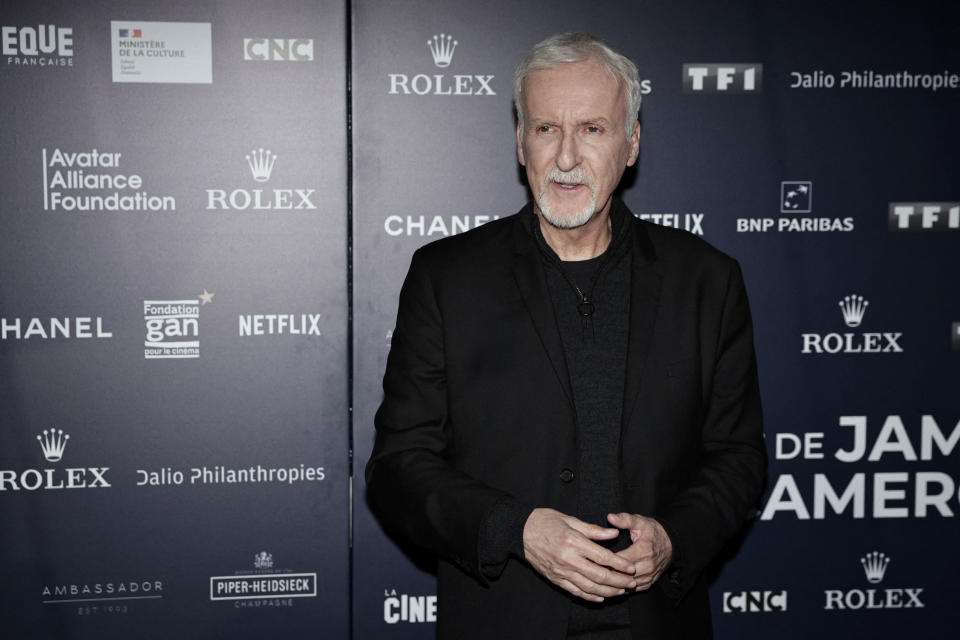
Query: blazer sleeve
[724,491]
[412,487]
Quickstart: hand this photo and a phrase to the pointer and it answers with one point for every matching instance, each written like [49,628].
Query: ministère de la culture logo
[264,586]
[924,216]
[161,52]
[53,444]
[852,309]
[874,565]
[796,205]
[44,45]
[173,327]
[94,180]
[261,163]
[441,49]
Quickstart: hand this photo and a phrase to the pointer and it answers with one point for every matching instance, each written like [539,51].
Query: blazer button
[566,475]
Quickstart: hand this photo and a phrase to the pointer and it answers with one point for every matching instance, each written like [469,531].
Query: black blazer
[478,408]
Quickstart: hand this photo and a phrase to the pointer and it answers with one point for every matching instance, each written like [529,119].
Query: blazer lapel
[645,286]
[528,274]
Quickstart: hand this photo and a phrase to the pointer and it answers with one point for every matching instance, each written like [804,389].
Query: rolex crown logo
[53,442]
[853,308]
[874,565]
[261,164]
[441,48]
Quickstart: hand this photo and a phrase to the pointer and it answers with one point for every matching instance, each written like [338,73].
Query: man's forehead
[569,83]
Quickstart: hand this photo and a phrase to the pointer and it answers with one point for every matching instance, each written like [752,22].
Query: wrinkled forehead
[584,85]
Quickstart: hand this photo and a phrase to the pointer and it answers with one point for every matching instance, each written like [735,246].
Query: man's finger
[593,531]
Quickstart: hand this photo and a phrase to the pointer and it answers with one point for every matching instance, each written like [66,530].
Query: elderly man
[571,417]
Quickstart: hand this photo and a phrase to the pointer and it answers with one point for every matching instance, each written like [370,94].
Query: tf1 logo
[722,78]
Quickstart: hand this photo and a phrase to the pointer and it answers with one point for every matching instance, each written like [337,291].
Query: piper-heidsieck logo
[441,49]
[708,77]
[173,327]
[53,445]
[45,45]
[261,163]
[796,199]
[264,586]
[924,216]
[402,607]
[94,180]
[874,565]
[852,308]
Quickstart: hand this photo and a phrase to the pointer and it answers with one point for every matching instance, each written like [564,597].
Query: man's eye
[544,128]
[593,129]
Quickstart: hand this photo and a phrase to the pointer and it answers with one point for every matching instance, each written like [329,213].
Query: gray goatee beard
[578,219]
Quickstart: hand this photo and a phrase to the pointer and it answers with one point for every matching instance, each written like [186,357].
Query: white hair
[578,47]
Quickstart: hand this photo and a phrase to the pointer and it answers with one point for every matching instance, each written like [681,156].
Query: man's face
[573,145]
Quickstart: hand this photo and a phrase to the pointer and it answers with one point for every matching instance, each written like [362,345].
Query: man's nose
[568,154]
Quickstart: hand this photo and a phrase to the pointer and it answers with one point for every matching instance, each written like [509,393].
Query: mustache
[577,175]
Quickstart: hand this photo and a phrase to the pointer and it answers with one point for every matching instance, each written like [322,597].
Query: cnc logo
[874,566]
[173,327]
[278,49]
[261,163]
[441,48]
[722,78]
[796,197]
[53,443]
[853,308]
[45,45]
[264,586]
[924,216]
[754,601]
[400,607]
[161,52]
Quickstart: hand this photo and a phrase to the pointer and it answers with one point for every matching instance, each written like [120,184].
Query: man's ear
[634,143]
[520,157]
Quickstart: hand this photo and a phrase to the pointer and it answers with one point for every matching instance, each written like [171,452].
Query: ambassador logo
[924,216]
[278,49]
[66,327]
[441,48]
[264,587]
[874,566]
[161,52]
[45,45]
[853,308]
[400,607]
[261,164]
[796,197]
[173,327]
[754,601]
[53,444]
[722,78]
[94,180]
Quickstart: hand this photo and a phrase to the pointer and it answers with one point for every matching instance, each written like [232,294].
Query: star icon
[206,297]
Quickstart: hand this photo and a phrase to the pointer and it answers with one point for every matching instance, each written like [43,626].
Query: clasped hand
[563,550]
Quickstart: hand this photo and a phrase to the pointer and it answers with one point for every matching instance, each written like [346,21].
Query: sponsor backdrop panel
[818,155]
[174,434]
